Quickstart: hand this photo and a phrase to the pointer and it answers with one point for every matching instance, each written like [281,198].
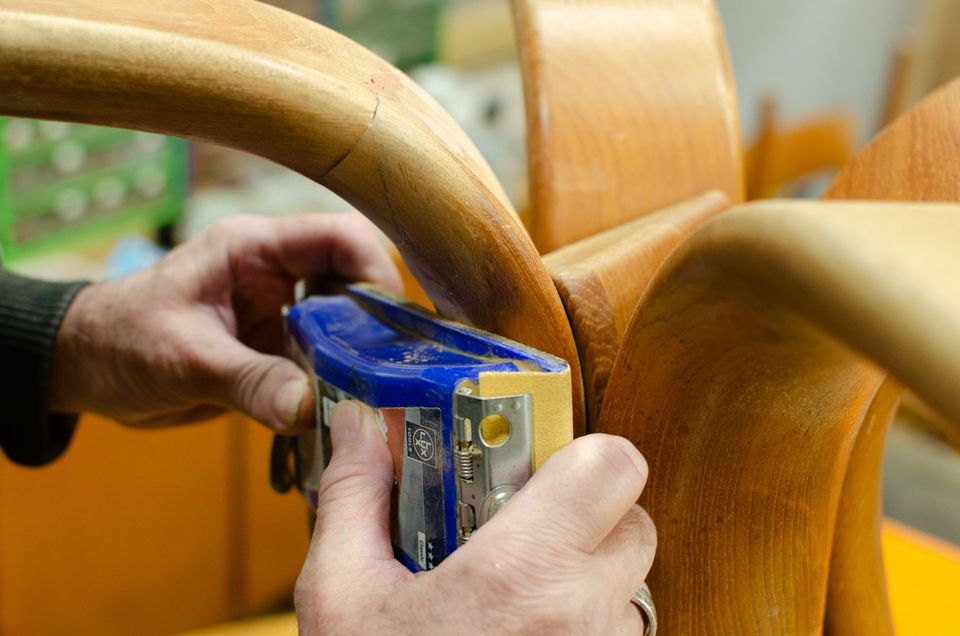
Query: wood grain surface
[601,279]
[916,158]
[246,75]
[630,108]
[857,601]
[913,159]
[744,378]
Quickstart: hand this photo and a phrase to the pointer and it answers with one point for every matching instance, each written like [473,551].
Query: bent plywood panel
[630,107]
[744,378]
[253,77]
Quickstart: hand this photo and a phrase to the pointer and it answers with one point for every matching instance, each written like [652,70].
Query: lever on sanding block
[467,415]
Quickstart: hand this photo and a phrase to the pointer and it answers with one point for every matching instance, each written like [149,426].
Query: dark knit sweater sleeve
[30,315]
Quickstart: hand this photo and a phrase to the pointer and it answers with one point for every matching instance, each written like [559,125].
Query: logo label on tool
[421,444]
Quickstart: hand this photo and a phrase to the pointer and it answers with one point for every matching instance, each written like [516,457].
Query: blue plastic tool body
[388,353]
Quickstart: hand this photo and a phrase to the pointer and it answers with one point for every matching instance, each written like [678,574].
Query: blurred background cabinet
[147,532]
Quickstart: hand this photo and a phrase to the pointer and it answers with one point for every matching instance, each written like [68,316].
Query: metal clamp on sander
[468,416]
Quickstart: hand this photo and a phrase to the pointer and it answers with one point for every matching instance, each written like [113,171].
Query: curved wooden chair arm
[246,75]
[630,108]
[744,377]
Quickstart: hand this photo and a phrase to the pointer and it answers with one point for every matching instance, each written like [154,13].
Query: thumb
[270,389]
[352,531]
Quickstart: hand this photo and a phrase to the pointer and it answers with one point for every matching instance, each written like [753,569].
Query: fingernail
[346,420]
[288,401]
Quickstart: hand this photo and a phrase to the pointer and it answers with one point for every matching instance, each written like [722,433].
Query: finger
[576,498]
[633,621]
[352,529]
[270,389]
[626,554]
[343,244]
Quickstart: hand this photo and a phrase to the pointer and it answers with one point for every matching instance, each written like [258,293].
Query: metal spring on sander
[463,456]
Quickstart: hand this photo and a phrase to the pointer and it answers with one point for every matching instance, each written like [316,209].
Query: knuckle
[246,379]
[348,489]
[638,525]
[232,227]
[644,525]
[639,520]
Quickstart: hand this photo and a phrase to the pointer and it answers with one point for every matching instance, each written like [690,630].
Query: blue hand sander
[468,415]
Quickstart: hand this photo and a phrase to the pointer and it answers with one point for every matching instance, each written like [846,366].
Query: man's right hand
[564,556]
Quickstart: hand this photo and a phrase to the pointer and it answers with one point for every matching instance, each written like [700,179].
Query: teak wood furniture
[740,346]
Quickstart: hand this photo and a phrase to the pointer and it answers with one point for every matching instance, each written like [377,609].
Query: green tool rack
[62,185]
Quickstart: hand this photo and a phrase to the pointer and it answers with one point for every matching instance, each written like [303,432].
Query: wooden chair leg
[857,601]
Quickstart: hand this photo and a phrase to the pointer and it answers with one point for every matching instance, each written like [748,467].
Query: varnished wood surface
[912,159]
[246,75]
[630,108]
[601,279]
[857,601]
[743,378]
[915,158]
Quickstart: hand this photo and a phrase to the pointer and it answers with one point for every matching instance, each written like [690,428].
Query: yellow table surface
[923,579]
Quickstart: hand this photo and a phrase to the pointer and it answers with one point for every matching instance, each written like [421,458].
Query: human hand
[201,330]
[564,556]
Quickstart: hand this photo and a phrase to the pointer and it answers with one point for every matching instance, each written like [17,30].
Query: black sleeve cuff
[30,315]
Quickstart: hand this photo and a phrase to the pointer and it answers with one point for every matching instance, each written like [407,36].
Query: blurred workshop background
[160,532]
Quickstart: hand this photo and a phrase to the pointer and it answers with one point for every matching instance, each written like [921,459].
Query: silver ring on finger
[644,602]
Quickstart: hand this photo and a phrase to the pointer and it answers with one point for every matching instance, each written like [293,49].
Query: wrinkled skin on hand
[201,330]
[563,557]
